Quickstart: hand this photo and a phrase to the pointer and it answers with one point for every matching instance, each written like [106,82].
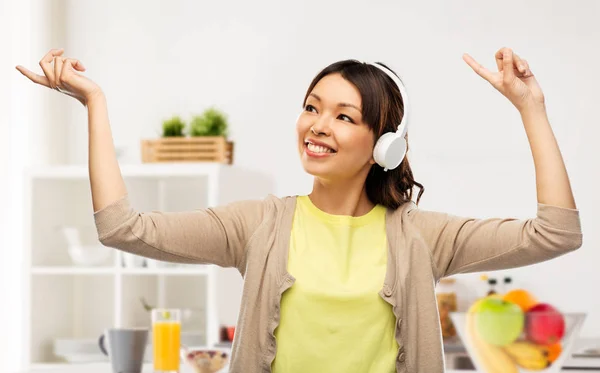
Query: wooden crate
[188,149]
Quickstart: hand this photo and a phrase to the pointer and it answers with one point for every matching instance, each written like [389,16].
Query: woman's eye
[349,119]
[345,117]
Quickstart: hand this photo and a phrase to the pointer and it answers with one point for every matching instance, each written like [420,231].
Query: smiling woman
[342,279]
[333,319]
[347,107]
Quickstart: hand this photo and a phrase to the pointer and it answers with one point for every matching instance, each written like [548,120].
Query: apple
[544,324]
[230,332]
[499,322]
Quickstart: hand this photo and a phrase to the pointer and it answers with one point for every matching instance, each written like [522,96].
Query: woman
[343,279]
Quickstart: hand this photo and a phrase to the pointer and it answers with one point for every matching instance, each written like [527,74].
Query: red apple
[544,324]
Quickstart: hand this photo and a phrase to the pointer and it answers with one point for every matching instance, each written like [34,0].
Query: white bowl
[521,355]
[79,350]
[89,255]
[210,363]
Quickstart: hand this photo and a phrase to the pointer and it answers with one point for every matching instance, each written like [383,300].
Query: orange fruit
[553,351]
[522,298]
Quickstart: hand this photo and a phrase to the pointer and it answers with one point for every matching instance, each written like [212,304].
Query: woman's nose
[321,127]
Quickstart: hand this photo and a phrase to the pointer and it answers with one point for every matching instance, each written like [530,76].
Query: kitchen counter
[90,368]
[105,368]
[577,363]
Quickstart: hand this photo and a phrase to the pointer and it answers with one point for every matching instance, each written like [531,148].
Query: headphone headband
[403,126]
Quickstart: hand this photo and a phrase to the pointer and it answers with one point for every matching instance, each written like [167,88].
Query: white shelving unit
[66,301]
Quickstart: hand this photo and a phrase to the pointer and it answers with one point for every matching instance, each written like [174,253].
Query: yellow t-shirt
[332,318]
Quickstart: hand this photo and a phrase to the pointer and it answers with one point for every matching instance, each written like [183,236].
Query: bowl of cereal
[207,360]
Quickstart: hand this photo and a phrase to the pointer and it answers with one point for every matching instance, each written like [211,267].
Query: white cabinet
[74,303]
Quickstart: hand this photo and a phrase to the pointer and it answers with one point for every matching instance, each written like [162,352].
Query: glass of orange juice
[166,340]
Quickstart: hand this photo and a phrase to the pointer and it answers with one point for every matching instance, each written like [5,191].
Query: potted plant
[212,122]
[206,140]
[173,127]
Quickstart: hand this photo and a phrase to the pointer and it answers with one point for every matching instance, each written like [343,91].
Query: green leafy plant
[212,122]
[145,304]
[173,127]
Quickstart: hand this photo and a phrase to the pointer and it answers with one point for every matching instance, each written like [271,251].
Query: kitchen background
[254,60]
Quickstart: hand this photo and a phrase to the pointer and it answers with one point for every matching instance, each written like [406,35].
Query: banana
[492,358]
[528,355]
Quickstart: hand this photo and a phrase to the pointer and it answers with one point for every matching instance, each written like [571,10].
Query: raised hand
[63,74]
[514,79]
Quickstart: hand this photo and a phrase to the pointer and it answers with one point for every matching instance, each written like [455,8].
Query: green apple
[499,322]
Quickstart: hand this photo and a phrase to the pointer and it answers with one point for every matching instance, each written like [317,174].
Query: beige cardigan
[424,246]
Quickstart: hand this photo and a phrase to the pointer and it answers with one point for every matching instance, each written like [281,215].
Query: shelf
[154,170]
[71,367]
[65,300]
[73,270]
[67,307]
[92,368]
[185,293]
[175,271]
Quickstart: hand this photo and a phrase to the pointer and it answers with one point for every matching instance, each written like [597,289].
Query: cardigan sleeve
[465,244]
[203,236]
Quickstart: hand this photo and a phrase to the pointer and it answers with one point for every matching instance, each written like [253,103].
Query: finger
[58,66]
[507,60]
[39,79]
[77,65]
[53,52]
[522,66]
[499,56]
[69,65]
[480,70]
[526,70]
[517,60]
[46,62]
[519,65]
[74,63]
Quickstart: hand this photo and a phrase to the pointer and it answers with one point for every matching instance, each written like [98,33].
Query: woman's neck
[341,198]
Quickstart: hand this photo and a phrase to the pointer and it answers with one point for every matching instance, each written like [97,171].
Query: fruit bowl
[501,338]
[89,255]
[206,360]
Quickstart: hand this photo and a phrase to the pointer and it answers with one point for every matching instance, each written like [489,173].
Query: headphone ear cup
[401,148]
[389,150]
[381,147]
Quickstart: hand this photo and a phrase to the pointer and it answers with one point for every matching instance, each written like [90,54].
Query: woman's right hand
[62,74]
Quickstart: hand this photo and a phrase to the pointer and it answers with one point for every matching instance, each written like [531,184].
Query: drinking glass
[166,340]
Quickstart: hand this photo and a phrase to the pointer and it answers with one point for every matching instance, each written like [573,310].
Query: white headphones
[390,148]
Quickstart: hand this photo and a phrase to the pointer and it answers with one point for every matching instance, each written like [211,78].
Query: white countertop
[105,368]
[90,368]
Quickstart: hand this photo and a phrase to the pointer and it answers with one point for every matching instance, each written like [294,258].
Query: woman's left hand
[514,79]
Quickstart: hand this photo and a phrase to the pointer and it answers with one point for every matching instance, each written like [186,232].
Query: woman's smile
[317,149]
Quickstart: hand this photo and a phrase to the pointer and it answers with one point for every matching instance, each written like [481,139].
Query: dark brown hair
[382,111]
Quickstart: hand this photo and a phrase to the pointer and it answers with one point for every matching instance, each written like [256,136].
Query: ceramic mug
[126,348]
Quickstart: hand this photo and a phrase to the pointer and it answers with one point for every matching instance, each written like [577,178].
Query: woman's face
[340,145]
